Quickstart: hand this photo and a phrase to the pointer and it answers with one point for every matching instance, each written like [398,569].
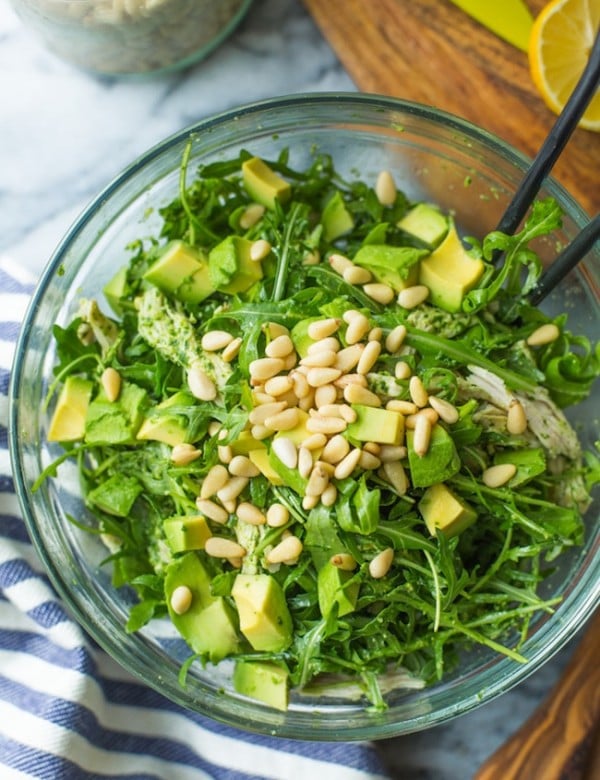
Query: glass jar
[126,37]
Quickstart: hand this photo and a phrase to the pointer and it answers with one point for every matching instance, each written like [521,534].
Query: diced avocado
[115,289]
[245,443]
[440,462]
[333,588]
[426,222]
[336,219]
[182,271]
[383,426]
[116,422]
[265,619]
[263,681]
[263,184]
[444,510]
[396,266]
[68,419]
[299,432]
[449,272]
[261,459]
[231,269]
[116,495]
[185,533]
[529,463]
[209,625]
[169,429]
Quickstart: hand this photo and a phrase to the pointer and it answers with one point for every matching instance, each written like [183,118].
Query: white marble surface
[66,133]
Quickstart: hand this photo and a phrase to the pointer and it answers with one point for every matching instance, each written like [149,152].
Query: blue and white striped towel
[69,712]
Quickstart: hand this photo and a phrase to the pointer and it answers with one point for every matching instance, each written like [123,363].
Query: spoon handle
[554,143]
[554,740]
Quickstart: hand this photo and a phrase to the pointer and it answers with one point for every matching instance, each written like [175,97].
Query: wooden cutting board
[431,52]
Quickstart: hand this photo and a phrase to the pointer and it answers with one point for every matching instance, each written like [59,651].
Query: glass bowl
[128,37]
[433,156]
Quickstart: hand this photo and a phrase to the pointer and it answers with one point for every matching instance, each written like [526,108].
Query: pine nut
[286,451]
[411,420]
[262,369]
[211,510]
[308,401]
[322,359]
[447,411]
[318,480]
[326,395]
[329,495]
[351,379]
[111,383]
[214,427]
[339,263]
[235,562]
[543,335]
[283,421]
[369,357]
[219,547]
[312,258]
[516,420]
[388,453]
[182,454]
[259,250]
[395,473]
[232,489]
[422,435]
[230,505]
[402,370]
[260,413]
[418,393]
[260,432]
[357,329]
[280,347]
[277,515]
[300,384]
[350,314]
[214,481]
[380,565]
[310,502]
[343,561]
[326,425]
[385,189]
[395,338]
[200,384]
[329,343]
[336,449]
[357,275]
[260,397]
[305,462]
[248,513]
[289,361]
[278,385]
[274,329]
[214,340]
[288,549]
[379,292]
[404,407]
[496,476]
[321,329]
[411,297]
[181,599]
[347,413]
[315,441]
[348,357]
[231,351]
[322,376]
[368,461]
[251,215]
[375,334]
[336,410]
[355,394]
[373,447]
[242,466]
[348,463]
[225,453]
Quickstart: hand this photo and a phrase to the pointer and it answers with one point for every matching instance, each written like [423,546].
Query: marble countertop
[66,134]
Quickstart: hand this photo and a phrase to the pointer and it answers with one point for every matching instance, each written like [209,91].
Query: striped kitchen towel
[69,712]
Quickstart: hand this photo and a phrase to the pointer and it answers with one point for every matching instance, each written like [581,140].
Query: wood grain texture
[432,52]
[558,742]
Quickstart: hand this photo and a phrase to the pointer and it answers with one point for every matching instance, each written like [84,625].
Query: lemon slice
[561,39]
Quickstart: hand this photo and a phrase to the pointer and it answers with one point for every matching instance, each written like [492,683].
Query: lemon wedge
[559,47]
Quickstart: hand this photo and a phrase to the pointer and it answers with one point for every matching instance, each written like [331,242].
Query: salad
[322,433]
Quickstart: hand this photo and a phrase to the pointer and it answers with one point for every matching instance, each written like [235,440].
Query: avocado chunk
[159,425]
[262,461]
[334,588]
[231,269]
[529,463]
[444,510]
[440,462]
[425,222]
[383,426]
[263,681]
[116,422]
[68,420]
[245,443]
[265,619]
[449,273]
[116,495]
[336,219]
[185,533]
[115,289]
[396,266]
[263,184]
[209,625]
[181,271]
